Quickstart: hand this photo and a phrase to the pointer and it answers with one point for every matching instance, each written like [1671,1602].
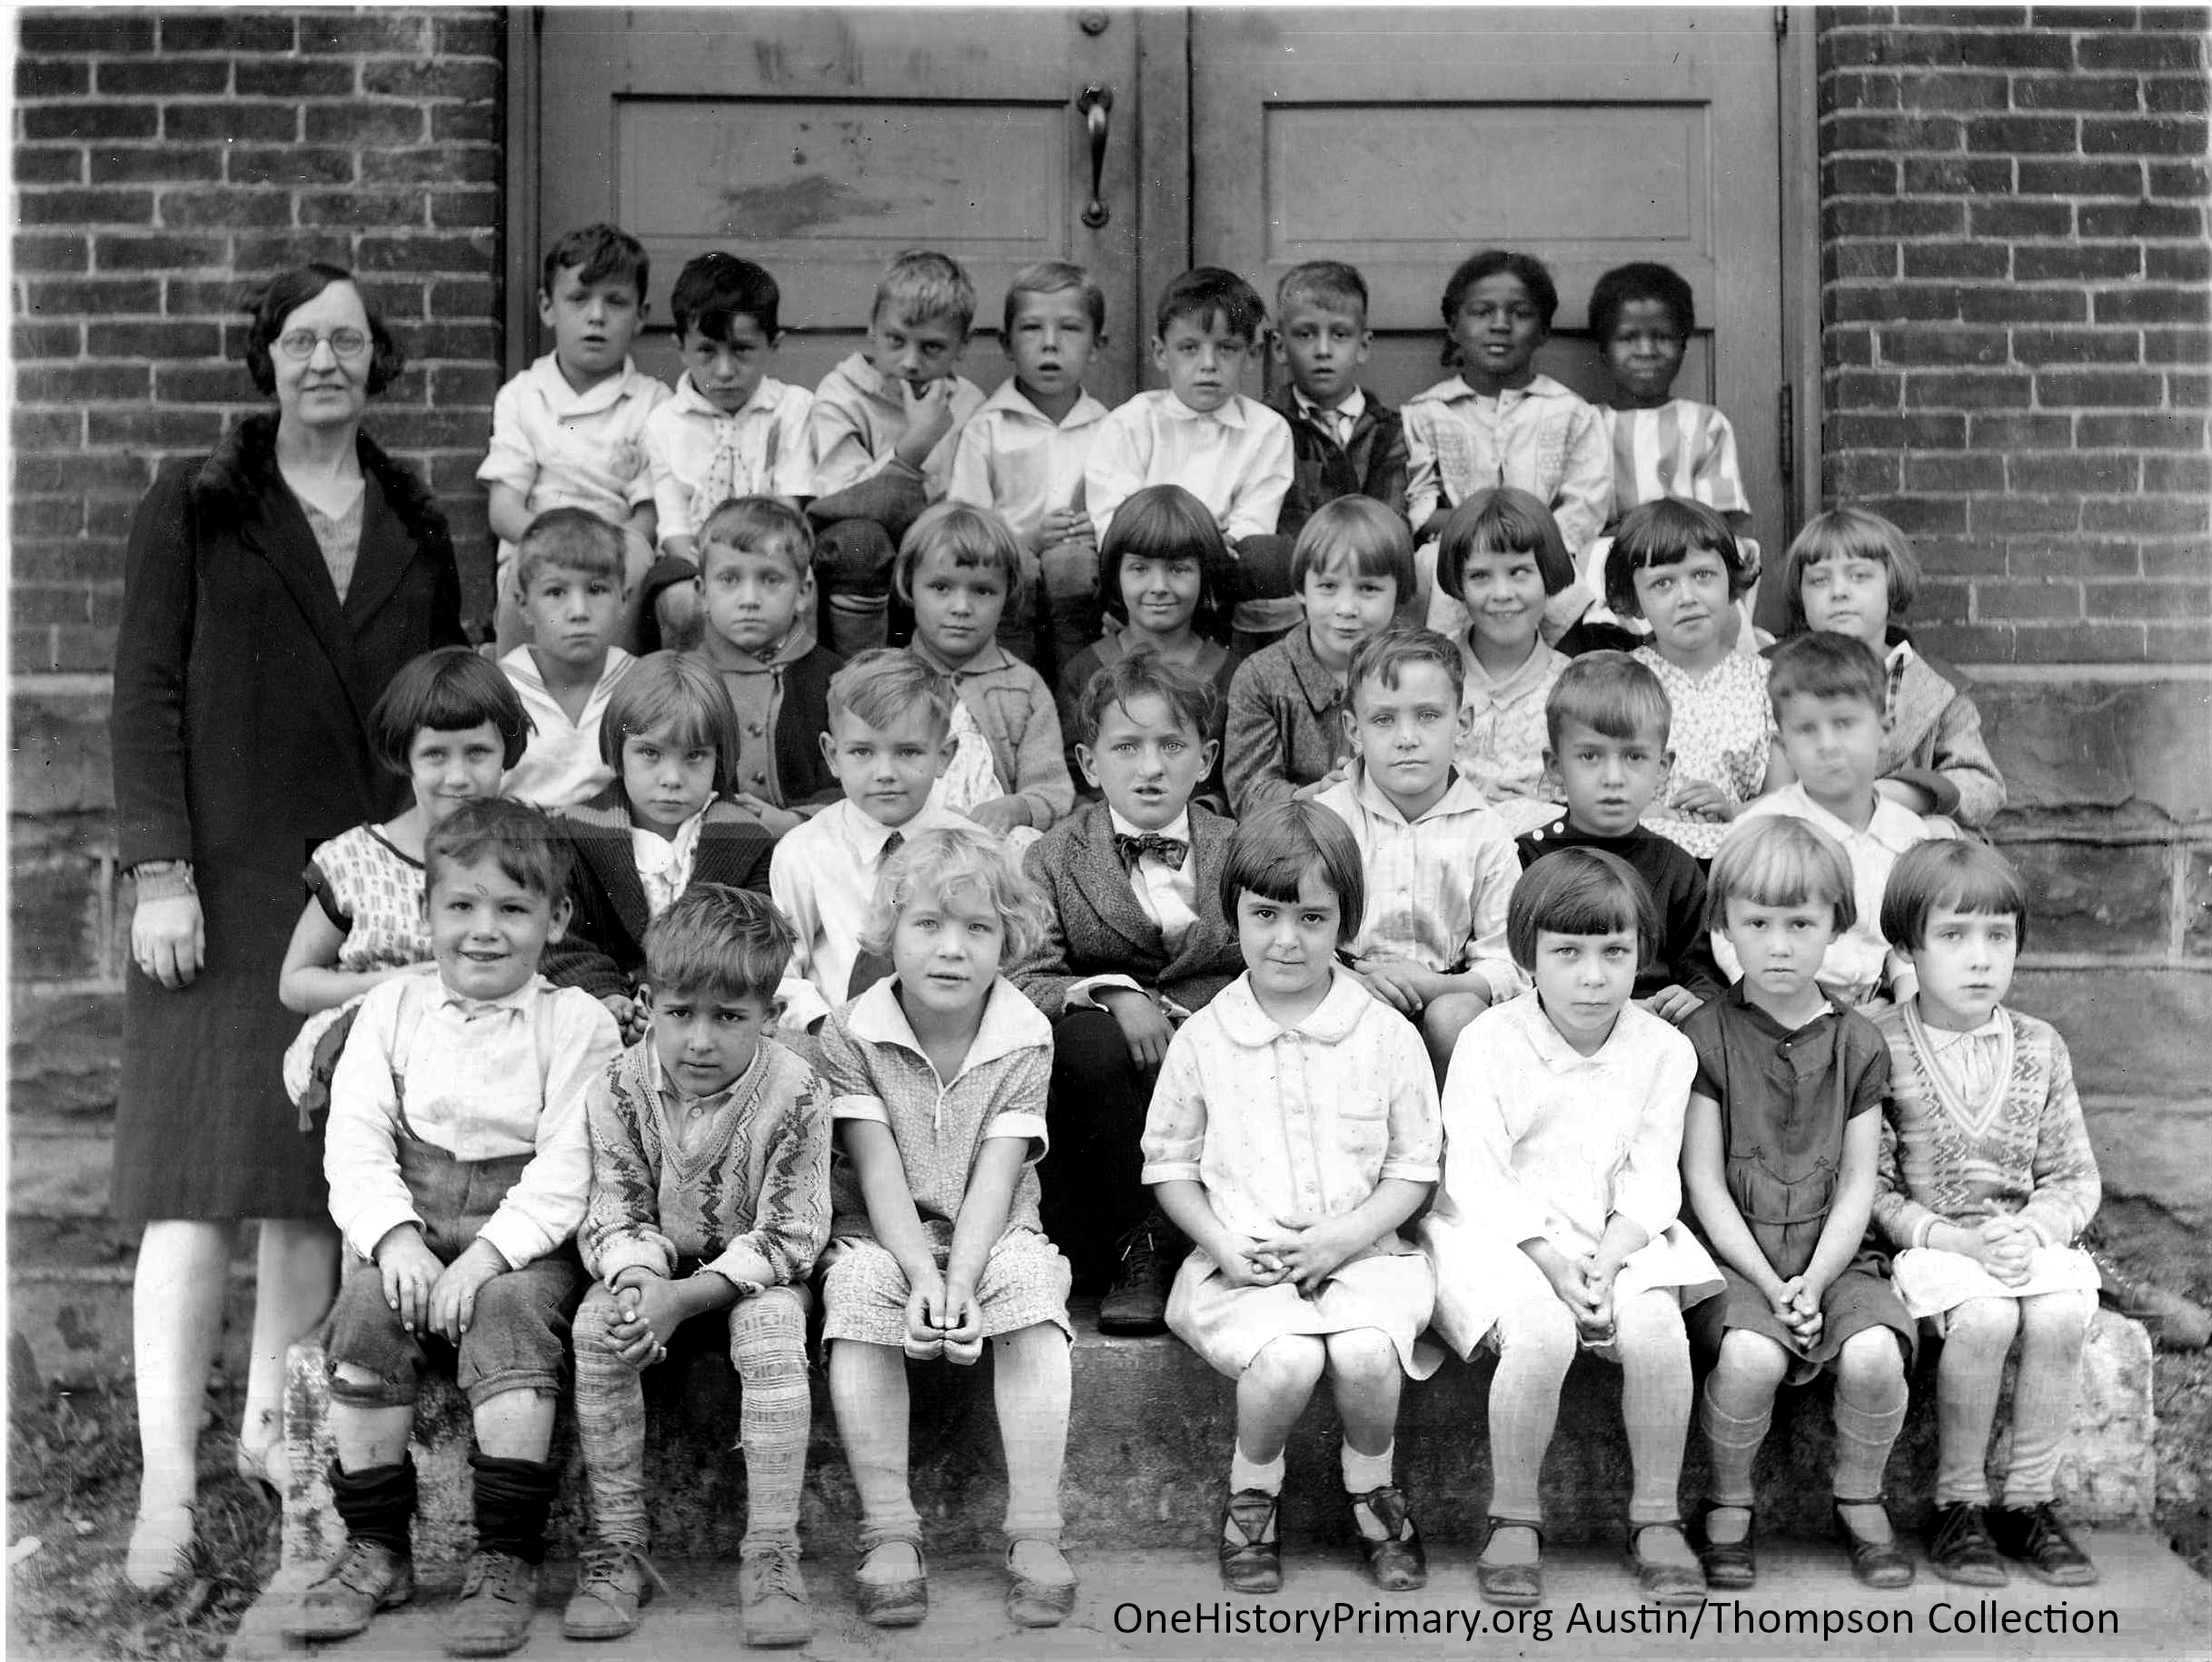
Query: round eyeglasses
[299,344]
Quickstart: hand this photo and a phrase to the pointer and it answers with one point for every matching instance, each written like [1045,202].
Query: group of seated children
[821,999]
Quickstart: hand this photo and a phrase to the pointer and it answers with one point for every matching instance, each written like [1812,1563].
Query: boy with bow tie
[1137,942]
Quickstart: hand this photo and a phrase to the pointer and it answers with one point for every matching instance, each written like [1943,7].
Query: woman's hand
[169,939]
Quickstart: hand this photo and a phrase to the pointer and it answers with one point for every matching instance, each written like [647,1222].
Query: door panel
[823,143]
[1404,140]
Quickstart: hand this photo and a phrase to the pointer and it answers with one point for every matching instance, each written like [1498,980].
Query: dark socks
[514,1498]
[377,1503]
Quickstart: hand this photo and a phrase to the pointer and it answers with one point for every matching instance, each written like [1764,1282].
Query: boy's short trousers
[517,1339]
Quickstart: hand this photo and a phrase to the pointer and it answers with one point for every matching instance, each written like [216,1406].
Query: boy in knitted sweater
[709,1195]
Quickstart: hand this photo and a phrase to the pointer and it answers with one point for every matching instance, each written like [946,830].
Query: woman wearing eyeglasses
[269,592]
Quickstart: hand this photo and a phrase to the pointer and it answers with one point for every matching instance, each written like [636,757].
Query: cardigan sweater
[2024,1153]
[1286,725]
[603,950]
[751,1196]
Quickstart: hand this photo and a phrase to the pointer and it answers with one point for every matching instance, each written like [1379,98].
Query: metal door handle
[1096,103]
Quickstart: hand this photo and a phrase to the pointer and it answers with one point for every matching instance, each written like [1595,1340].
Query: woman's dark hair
[285,294]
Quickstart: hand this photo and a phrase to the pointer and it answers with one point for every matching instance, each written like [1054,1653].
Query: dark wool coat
[1374,464]
[242,692]
[603,951]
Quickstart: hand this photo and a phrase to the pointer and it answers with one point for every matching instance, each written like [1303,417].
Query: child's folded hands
[1702,799]
[2006,1247]
[647,1315]
[1310,1252]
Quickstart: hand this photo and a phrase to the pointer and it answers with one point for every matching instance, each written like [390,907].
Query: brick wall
[163,161]
[2015,300]
[2015,285]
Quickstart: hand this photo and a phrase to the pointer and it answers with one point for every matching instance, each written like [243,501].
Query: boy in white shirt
[568,431]
[458,1169]
[889,737]
[1023,453]
[1439,864]
[730,430]
[568,566]
[885,423]
[1230,451]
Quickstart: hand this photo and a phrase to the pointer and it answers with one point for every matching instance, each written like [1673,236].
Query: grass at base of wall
[73,1477]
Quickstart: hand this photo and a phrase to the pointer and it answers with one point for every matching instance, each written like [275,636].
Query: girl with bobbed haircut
[1276,848]
[674,693]
[1666,533]
[1947,876]
[1779,861]
[1579,891]
[286,294]
[1844,534]
[956,861]
[1501,520]
[969,537]
[449,690]
[1167,523]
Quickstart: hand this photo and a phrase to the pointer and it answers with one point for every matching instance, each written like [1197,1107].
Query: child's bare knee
[1364,1354]
[1984,1322]
[1291,1362]
[1871,1362]
[1753,1359]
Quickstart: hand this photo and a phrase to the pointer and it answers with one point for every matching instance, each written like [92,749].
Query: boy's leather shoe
[367,1577]
[773,1609]
[611,1586]
[499,1598]
[1136,1303]
[2033,1535]
[1961,1549]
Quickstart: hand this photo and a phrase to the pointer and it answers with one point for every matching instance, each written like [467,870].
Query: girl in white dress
[1292,1129]
[1556,1226]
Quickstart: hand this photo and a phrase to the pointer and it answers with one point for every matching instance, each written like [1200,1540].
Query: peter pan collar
[1330,1022]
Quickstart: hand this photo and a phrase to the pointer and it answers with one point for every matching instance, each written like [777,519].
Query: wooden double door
[821,142]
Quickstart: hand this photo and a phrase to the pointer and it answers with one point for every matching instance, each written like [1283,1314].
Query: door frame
[1163,206]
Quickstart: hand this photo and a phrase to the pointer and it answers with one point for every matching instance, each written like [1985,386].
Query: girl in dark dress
[271,590]
[1779,1152]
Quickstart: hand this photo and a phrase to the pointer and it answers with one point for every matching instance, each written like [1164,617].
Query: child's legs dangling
[1368,1379]
[1271,1393]
[1654,1400]
[2053,1327]
[1870,1411]
[768,1345]
[1536,1339]
[868,1388]
[1031,1381]
[1737,1407]
[611,1425]
[1969,1375]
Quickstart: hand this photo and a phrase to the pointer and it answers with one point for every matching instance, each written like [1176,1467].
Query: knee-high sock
[2053,1327]
[1535,1344]
[1032,1383]
[610,1424]
[1968,1377]
[867,1386]
[1654,1401]
[768,1345]
[1733,1440]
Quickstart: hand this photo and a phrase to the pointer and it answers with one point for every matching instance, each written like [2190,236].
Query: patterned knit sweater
[750,1197]
[2025,1151]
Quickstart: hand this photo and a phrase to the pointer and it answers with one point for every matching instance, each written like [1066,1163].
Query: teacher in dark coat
[270,591]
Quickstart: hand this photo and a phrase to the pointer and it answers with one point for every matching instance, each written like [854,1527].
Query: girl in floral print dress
[450,724]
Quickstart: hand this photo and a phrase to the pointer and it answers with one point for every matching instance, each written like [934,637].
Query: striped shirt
[1682,448]
[1437,887]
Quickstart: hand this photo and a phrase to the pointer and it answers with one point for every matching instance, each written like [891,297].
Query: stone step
[2147,1604]
[69,1298]
[1148,1448]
